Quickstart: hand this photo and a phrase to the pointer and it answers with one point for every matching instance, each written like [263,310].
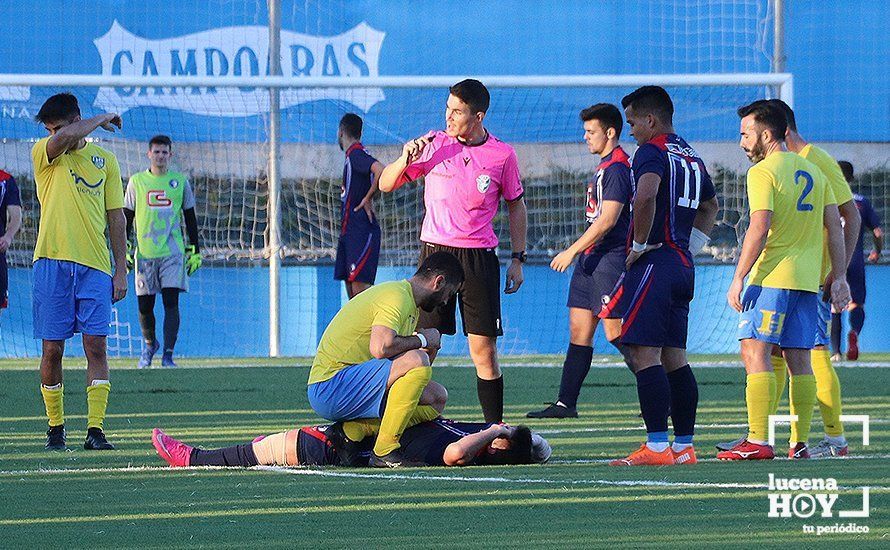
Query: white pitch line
[427,477]
[536,481]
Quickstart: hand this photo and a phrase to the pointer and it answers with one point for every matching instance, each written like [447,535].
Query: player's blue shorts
[358,253]
[788,318]
[856,279]
[357,391]
[823,323]
[594,280]
[654,298]
[68,298]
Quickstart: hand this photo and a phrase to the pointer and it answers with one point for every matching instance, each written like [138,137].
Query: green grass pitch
[126,499]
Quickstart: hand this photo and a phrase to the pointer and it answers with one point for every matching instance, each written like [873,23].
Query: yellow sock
[423,413]
[760,391]
[828,392]
[357,430]
[53,400]
[802,395]
[780,369]
[400,405]
[97,401]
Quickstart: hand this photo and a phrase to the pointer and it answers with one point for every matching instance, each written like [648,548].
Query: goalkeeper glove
[192,259]
[130,254]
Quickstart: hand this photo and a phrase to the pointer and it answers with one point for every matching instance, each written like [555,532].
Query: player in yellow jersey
[828,390]
[80,192]
[371,364]
[790,203]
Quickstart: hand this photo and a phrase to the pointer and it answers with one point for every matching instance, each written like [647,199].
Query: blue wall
[831,48]
[535,319]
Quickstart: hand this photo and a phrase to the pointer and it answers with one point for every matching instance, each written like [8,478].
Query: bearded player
[790,202]
[828,387]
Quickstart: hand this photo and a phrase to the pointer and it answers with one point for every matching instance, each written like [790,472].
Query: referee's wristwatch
[521,256]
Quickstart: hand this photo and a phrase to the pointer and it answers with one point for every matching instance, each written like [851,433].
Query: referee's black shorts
[479,297]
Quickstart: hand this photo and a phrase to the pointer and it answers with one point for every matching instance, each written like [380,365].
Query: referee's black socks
[491,397]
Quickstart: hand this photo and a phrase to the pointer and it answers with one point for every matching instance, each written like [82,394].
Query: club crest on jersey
[99,161]
[174,184]
[482,182]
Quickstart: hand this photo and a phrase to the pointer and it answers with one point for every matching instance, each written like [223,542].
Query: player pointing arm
[81,196]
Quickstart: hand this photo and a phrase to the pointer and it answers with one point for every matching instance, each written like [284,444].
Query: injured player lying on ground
[439,442]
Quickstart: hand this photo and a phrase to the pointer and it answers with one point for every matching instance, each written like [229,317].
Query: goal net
[221,134]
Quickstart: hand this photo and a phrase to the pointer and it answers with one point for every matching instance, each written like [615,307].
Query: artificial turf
[126,498]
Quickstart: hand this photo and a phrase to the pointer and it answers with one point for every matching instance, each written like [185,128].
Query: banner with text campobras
[236,51]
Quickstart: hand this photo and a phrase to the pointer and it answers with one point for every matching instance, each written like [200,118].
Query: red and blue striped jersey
[684,184]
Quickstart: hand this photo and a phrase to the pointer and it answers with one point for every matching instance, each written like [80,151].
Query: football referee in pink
[466,171]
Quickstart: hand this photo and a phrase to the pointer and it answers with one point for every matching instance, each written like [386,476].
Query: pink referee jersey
[463,187]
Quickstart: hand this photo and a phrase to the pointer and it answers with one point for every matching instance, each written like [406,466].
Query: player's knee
[750,354]
[170,298]
[277,449]
[417,358]
[146,305]
[94,347]
[581,332]
[641,358]
[52,352]
[436,395]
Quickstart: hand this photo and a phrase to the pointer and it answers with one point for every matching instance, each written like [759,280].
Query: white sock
[836,440]
[680,446]
[657,447]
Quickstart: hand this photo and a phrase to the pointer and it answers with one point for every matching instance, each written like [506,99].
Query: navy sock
[684,401]
[654,392]
[491,397]
[574,371]
[857,319]
[239,455]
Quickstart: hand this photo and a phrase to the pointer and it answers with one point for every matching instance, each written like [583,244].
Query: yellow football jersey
[75,190]
[347,340]
[796,192]
[836,182]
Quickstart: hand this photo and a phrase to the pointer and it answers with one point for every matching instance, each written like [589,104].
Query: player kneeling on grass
[438,442]
[369,354]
